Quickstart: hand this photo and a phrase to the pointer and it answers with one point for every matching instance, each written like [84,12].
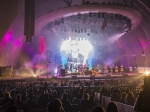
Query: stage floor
[68,77]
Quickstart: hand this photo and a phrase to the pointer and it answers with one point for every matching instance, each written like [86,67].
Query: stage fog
[61,45]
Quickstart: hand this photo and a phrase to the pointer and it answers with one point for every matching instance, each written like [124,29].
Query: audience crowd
[59,96]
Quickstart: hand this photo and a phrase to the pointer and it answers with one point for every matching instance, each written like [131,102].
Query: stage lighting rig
[99,15]
[85,30]
[103,15]
[79,16]
[62,20]
[78,30]
[90,14]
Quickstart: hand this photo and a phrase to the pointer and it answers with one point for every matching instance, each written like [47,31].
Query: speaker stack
[5,71]
[29,20]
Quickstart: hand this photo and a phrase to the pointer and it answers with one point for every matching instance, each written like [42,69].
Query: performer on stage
[74,55]
[93,71]
[111,69]
[121,69]
[58,70]
[98,68]
[79,69]
[116,69]
[71,67]
[105,69]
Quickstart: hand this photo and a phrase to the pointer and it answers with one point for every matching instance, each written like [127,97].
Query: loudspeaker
[74,77]
[29,21]
[62,72]
[6,71]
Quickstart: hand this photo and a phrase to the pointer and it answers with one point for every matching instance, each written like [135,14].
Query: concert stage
[69,77]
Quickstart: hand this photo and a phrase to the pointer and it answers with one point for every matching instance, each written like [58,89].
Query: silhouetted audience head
[46,96]
[12,103]
[31,96]
[123,95]
[81,91]
[98,109]
[130,95]
[18,97]
[12,109]
[112,107]
[65,96]
[55,106]
[127,90]
[91,98]
[86,96]
[7,95]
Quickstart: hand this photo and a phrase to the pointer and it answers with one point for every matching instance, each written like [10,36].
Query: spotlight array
[96,22]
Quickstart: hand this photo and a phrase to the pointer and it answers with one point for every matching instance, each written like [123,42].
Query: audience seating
[122,107]
[105,100]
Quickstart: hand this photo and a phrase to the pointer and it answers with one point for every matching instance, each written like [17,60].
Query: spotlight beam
[104,23]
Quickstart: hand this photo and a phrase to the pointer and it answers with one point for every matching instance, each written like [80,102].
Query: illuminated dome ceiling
[133,47]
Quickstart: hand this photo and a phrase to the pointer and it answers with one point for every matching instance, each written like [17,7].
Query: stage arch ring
[132,14]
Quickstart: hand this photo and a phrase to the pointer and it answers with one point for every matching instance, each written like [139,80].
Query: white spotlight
[56,71]
[147,73]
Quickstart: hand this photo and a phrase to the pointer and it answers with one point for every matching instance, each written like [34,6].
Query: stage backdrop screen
[76,50]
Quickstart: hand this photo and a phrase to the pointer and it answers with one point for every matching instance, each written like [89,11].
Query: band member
[84,67]
[58,70]
[93,70]
[71,67]
[121,69]
[105,69]
[111,69]
[116,69]
[98,68]
[79,69]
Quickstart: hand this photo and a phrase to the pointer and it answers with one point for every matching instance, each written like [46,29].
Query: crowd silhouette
[69,96]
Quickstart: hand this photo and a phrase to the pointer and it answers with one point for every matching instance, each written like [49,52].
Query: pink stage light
[42,44]
[119,43]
